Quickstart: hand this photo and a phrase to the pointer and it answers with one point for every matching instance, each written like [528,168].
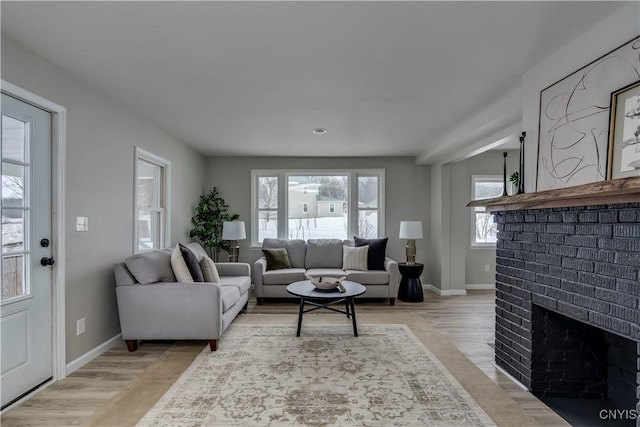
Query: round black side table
[410,289]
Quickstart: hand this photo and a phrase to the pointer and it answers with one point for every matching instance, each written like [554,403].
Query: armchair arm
[170,311]
[259,267]
[391,267]
[233,268]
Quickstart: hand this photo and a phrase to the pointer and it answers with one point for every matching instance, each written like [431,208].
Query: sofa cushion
[326,272]
[354,258]
[277,259]
[371,277]
[197,250]
[377,251]
[151,267]
[324,253]
[243,283]
[296,249]
[209,270]
[230,296]
[283,277]
[192,263]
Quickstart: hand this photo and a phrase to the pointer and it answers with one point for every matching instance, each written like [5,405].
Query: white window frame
[305,207]
[165,208]
[283,198]
[332,208]
[474,179]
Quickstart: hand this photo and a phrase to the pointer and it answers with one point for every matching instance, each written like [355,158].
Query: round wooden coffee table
[311,295]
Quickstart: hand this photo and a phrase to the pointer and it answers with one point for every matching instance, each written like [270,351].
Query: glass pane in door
[14,134]
[13,283]
[15,208]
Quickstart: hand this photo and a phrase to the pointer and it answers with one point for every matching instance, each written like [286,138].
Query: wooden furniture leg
[213,345]
[132,345]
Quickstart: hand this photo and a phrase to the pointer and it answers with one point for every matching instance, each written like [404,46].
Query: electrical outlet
[80,327]
[487,267]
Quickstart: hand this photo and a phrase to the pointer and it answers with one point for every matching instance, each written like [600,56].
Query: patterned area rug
[265,376]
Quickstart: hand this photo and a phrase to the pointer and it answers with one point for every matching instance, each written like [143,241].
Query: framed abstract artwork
[574,119]
[624,132]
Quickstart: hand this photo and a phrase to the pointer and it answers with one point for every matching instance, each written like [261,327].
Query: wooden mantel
[623,190]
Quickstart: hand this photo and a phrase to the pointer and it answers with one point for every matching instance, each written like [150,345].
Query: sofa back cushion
[324,253]
[296,250]
[151,267]
[197,250]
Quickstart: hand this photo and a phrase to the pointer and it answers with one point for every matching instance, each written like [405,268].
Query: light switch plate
[82,223]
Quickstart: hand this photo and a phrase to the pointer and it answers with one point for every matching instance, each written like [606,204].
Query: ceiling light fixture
[319,131]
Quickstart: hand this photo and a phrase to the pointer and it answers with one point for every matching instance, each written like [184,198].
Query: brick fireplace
[568,301]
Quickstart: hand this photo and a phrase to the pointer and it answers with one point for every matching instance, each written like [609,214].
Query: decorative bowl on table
[325,283]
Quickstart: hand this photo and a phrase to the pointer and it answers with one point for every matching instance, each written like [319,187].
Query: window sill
[482,247]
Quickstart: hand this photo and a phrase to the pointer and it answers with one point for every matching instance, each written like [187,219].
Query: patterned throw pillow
[277,259]
[355,258]
[209,270]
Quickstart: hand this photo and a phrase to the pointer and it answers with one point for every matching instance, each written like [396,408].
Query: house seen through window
[317,205]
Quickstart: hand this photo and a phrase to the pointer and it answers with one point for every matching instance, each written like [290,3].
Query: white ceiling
[254,78]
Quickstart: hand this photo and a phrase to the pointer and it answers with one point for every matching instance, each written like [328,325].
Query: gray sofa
[160,308]
[320,257]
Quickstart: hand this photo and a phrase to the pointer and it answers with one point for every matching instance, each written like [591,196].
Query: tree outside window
[483,227]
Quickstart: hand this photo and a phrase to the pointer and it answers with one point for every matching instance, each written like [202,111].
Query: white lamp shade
[233,230]
[411,229]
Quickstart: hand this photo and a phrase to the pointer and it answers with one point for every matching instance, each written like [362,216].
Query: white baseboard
[480,286]
[445,293]
[92,354]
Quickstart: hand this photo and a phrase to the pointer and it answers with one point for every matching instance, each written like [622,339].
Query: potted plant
[210,214]
[514,178]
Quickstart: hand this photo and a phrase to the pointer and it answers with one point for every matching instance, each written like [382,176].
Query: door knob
[44,261]
[44,243]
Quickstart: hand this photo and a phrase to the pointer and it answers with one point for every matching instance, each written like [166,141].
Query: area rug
[266,376]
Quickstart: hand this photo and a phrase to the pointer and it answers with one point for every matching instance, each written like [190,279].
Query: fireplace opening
[585,374]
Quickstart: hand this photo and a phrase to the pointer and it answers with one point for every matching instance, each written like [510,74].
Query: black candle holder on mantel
[504,176]
[521,173]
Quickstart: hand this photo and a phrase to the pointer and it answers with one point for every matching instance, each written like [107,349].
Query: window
[317,204]
[483,227]
[151,227]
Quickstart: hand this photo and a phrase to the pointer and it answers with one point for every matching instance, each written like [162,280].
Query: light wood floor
[77,400]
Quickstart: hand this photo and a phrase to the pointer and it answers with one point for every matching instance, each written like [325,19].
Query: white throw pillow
[209,270]
[355,258]
[179,266]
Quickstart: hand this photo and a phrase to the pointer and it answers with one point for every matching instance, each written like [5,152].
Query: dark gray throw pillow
[277,259]
[192,263]
[377,251]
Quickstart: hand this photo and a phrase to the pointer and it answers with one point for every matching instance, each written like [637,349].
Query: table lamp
[411,230]
[233,231]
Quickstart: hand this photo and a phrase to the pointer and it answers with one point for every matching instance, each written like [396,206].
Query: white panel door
[25,311]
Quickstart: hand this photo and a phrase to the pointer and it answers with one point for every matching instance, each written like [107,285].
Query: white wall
[406,185]
[101,135]
[611,32]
